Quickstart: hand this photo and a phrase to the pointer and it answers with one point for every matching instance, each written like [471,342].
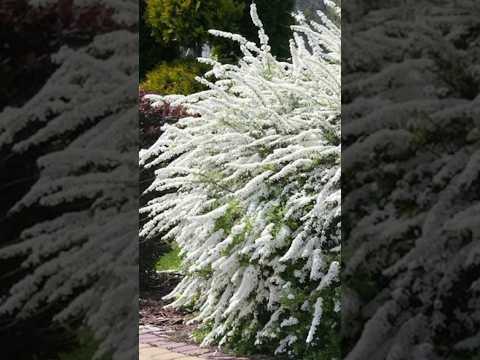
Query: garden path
[154,345]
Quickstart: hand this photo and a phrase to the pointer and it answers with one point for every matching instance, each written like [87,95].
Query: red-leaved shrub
[152,119]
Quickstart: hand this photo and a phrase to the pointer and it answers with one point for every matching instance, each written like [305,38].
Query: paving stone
[161,342]
[186,348]
[149,353]
[171,356]
[147,338]
[213,355]
[177,346]
[147,329]
[196,351]
[154,345]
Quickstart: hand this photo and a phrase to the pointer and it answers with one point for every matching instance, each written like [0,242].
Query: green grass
[170,261]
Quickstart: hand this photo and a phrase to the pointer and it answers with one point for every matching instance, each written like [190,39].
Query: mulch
[171,322]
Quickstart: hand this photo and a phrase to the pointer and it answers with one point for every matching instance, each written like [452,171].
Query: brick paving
[154,345]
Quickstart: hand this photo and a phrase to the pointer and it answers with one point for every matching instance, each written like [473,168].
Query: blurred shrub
[153,118]
[152,51]
[186,23]
[174,78]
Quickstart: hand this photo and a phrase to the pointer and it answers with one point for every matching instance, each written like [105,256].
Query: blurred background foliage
[174,30]
[175,77]
[186,23]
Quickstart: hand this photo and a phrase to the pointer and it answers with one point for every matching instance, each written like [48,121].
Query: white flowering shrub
[77,243]
[251,194]
[410,138]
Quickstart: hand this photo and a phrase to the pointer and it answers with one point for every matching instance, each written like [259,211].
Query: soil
[170,321]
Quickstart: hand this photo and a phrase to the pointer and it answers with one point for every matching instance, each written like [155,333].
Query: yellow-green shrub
[174,78]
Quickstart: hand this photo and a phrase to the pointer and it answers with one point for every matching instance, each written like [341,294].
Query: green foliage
[277,19]
[186,22]
[174,78]
[227,221]
[152,52]
[170,261]
[201,332]
[242,340]
[326,344]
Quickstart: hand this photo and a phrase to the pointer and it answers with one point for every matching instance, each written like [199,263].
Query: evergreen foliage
[152,51]
[177,77]
[250,191]
[186,23]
